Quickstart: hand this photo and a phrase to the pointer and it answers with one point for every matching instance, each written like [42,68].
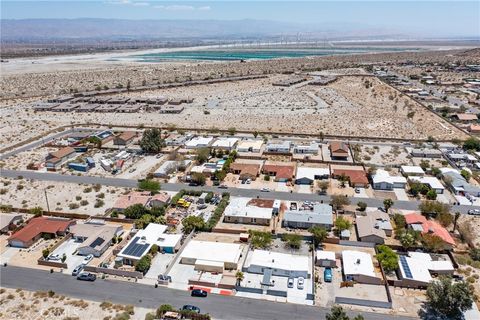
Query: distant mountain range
[87,28]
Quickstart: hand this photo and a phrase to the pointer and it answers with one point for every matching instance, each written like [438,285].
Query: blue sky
[440,18]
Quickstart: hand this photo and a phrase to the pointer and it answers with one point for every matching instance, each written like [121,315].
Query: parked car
[202,206]
[474,212]
[327,275]
[78,269]
[357,190]
[216,183]
[54,257]
[86,276]
[290,282]
[199,293]
[88,258]
[265,190]
[222,186]
[189,307]
[301,283]
[163,277]
[249,181]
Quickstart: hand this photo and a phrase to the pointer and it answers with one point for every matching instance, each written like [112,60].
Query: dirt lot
[21,193]
[22,304]
[383,155]
[366,106]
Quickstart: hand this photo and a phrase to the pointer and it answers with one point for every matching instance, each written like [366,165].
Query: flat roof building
[199,142]
[358,266]
[205,253]
[382,180]
[307,175]
[225,143]
[321,215]
[280,264]
[249,211]
[254,146]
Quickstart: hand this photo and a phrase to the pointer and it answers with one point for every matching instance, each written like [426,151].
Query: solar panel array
[406,267]
[135,249]
[97,242]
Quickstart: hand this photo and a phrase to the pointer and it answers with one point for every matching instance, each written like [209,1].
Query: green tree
[152,141]
[466,174]
[362,206]
[337,313]
[292,240]
[135,211]
[338,201]
[449,299]
[95,141]
[232,131]
[433,208]
[202,155]
[433,242]
[408,240]
[319,234]
[387,258]
[198,178]
[323,186]
[387,204]
[431,194]
[342,224]
[471,144]
[143,264]
[163,309]
[321,136]
[445,219]
[149,185]
[239,276]
[36,211]
[260,239]
[255,134]
[192,222]
[143,221]
[45,253]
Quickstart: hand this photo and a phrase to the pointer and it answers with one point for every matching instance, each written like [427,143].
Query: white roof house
[143,240]
[282,264]
[416,268]
[198,142]
[238,207]
[383,180]
[325,255]
[310,174]
[216,252]
[432,182]
[312,148]
[358,266]
[412,170]
[225,143]
[249,146]
[279,147]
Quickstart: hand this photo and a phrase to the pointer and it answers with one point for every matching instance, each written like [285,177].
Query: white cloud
[140,4]
[129,2]
[181,8]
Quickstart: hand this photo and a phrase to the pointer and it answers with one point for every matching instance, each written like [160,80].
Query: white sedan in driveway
[88,259]
[300,283]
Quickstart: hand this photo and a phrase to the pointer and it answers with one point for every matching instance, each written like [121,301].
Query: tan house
[374,227]
[338,150]
[124,138]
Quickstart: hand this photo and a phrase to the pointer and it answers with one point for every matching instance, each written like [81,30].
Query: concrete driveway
[361,194]
[401,194]
[159,265]
[68,248]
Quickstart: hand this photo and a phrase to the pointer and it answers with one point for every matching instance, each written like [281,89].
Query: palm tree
[387,203]
[239,275]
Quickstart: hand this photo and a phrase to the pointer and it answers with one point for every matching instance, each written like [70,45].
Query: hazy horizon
[417,19]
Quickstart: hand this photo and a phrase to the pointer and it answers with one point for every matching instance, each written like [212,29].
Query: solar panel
[97,242]
[134,249]
[406,267]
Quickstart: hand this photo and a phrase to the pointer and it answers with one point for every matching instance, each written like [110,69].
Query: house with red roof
[145,198]
[356,178]
[418,222]
[38,227]
[281,172]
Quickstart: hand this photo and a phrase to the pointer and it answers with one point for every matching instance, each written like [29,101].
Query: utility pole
[46,199]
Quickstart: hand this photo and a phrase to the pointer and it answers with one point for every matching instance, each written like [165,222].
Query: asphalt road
[140,295]
[239,192]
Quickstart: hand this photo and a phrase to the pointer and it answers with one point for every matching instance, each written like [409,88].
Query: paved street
[253,193]
[220,307]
